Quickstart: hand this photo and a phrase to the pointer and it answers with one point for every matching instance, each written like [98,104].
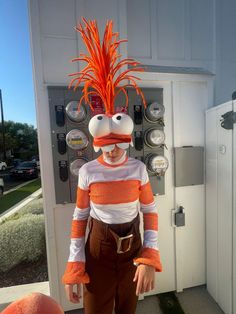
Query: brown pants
[111,274]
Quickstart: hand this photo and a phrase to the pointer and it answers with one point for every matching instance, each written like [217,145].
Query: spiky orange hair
[100,75]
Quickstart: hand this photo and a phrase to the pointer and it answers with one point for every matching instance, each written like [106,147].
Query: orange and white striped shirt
[113,194]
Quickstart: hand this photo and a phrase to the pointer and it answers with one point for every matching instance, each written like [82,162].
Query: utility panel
[72,142]
[188,165]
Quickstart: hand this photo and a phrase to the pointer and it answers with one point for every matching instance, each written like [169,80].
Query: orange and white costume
[112,193]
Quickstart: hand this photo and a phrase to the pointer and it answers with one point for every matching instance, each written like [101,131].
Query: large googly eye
[99,125]
[122,124]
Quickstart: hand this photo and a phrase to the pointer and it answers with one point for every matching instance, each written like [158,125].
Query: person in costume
[113,265]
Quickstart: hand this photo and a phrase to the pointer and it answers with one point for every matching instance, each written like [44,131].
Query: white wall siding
[228,27]
[58,39]
[160,32]
[177,33]
[202,29]
[171,30]
[139,30]
[57,53]
[57,18]
[226,56]
[101,10]
[61,43]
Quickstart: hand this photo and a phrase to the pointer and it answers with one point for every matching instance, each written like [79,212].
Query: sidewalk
[193,301]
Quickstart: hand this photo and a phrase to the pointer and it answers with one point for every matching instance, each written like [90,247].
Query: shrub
[21,240]
[35,207]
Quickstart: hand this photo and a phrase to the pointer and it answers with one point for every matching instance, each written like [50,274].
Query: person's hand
[144,276]
[73,297]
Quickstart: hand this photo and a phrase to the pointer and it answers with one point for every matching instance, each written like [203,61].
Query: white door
[219,204]
[190,100]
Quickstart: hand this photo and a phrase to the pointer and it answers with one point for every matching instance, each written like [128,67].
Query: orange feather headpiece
[103,75]
[101,72]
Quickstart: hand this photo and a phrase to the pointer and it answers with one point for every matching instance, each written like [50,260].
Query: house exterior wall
[225,83]
[160,32]
[184,33]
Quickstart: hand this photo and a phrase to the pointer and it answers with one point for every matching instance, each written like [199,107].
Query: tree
[20,138]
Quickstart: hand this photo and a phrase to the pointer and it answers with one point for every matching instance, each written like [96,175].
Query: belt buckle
[119,243]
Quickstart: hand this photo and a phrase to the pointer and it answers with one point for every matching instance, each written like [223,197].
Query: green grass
[14,197]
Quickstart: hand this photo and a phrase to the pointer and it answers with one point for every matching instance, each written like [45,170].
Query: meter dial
[156,164]
[154,137]
[154,111]
[74,114]
[77,139]
[76,165]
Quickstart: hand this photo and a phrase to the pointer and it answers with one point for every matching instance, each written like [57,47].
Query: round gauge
[154,111]
[77,139]
[76,165]
[157,164]
[154,137]
[73,113]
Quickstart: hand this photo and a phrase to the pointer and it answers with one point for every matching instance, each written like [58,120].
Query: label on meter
[76,139]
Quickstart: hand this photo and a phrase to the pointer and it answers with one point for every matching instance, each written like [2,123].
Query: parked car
[36,159]
[1,186]
[3,165]
[26,169]
[16,162]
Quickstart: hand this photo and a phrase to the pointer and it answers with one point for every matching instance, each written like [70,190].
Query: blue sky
[16,81]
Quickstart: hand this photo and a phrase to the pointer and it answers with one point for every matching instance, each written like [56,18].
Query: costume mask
[106,77]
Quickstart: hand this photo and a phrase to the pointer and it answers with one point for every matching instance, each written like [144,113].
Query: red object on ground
[35,303]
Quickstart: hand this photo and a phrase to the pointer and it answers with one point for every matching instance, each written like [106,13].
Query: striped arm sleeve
[75,269]
[150,253]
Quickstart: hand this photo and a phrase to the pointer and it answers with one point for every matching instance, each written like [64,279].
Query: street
[10,182]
